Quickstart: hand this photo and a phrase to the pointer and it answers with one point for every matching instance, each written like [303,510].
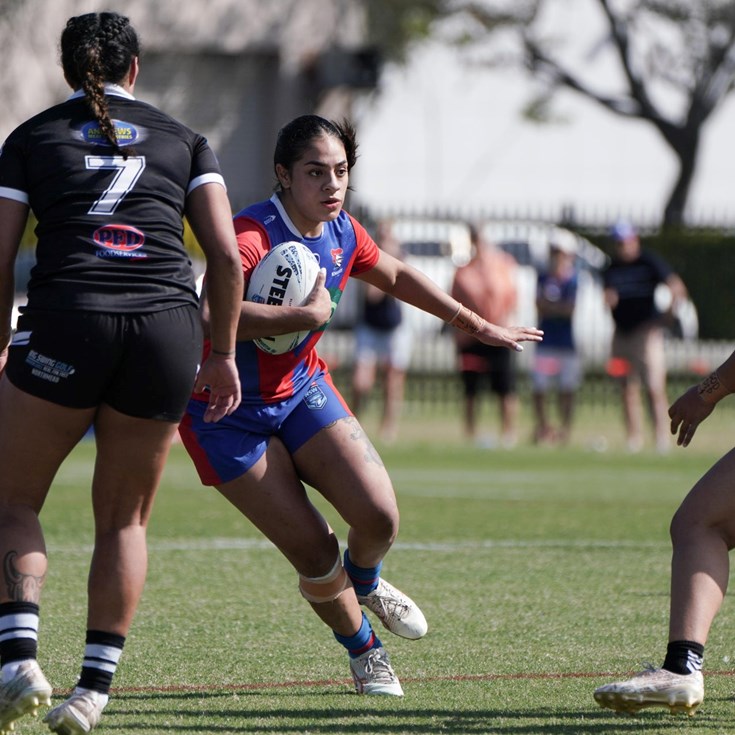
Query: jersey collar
[110,89]
[284,215]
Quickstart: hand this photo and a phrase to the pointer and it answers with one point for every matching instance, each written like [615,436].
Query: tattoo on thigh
[358,435]
[21,587]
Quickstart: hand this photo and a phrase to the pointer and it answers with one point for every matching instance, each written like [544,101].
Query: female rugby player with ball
[293,427]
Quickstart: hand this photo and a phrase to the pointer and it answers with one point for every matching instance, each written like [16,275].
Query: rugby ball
[285,276]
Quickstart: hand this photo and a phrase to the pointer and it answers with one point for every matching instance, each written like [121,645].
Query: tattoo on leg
[21,587]
[358,435]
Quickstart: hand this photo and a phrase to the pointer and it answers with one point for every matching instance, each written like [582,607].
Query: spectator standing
[556,362]
[110,338]
[383,342]
[487,285]
[637,355]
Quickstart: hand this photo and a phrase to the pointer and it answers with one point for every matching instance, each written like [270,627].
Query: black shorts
[481,360]
[143,365]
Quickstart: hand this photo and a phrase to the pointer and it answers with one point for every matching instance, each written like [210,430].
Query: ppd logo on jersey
[126,133]
[119,241]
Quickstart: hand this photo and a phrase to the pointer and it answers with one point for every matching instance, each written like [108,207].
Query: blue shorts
[226,449]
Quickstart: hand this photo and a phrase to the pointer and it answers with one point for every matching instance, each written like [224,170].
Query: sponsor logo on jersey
[315,397]
[125,132]
[120,238]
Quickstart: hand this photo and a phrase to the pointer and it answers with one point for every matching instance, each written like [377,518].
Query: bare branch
[620,38]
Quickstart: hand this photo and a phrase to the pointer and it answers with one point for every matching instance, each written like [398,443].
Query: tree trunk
[685,148]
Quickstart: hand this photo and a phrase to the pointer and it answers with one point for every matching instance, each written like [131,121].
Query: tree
[676,61]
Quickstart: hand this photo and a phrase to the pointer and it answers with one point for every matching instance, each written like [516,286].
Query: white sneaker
[373,674]
[398,612]
[78,714]
[654,687]
[23,694]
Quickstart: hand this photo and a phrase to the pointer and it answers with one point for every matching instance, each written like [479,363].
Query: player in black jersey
[110,338]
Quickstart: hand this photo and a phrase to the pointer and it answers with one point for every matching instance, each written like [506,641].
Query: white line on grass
[223,544]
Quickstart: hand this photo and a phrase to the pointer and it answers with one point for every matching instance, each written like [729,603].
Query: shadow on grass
[213,712]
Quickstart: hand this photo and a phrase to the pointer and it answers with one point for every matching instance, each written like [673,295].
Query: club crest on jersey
[337,256]
[125,132]
[315,397]
[122,239]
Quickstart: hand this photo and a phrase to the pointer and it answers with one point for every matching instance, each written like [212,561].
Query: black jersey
[636,282]
[110,228]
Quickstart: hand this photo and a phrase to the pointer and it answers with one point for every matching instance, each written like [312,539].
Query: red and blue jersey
[344,249]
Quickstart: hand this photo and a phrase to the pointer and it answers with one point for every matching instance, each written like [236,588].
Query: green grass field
[543,573]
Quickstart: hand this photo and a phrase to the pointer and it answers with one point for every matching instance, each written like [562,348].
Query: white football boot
[373,674]
[651,688]
[23,694]
[396,611]
[78,714]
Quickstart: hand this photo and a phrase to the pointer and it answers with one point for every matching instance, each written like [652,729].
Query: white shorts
[556,366]
[384,346]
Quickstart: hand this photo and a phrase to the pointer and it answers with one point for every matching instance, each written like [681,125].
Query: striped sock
[364,579]
[101,656]
[684,657]
[18,635]
[362,641]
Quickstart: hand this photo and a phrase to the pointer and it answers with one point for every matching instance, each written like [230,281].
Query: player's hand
[3,359]
[218,376]
[686,413]
[318,304]
[510,337]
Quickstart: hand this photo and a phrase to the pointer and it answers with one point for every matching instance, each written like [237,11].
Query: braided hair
[98,48]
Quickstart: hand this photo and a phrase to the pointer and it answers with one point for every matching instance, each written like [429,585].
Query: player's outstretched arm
[410,285]
[689,410]
[491,334]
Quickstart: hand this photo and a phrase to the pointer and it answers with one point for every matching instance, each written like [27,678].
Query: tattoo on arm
[358,435]
[712,389]
[711,384]
[21,587]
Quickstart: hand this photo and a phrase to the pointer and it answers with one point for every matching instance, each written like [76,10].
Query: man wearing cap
[556,361]
[631,281]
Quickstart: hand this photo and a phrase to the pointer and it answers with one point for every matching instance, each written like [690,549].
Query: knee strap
[326,588]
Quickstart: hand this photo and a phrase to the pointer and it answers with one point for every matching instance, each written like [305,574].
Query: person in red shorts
[487,285]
